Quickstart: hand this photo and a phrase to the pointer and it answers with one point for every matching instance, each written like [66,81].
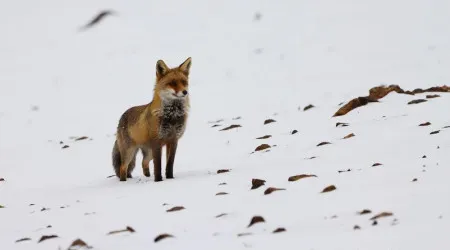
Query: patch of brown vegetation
[432,96]
[379,92]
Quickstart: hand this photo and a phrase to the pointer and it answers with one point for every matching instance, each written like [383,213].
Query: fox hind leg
[127,156]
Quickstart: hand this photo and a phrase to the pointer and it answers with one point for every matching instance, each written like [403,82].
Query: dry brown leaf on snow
[356,227]
[81,138]
[221,193]
[344,171]
[432,96]
[342,124]
[279,230]
[256,183]
[77,244]
[349,136]
[127,229]
[262,147]
[381,215]
[425,124]
[310,106]
[417,101]
[329,189]
[272,189]
[231,127]
[47,237]
[269,121]
[176,208]
[221,215]
[365,211]
[163,236]
[435,132]
[243,234]
[264,137]
[221,171]
[376,164]
[300,176]
[256,219]
[293,132]
[323,143]
[23,239]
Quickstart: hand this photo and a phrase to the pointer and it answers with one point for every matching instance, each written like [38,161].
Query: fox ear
[161,68]
[185,66]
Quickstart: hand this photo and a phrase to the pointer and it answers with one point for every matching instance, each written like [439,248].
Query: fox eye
[173,83]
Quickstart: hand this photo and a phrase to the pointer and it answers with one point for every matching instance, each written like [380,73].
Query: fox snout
[182,93]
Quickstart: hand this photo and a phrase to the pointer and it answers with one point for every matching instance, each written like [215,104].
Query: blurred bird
[100,16]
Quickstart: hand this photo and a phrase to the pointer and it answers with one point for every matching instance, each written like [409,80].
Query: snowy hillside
[63,89]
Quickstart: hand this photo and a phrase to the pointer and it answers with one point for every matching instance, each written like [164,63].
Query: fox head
[172,83]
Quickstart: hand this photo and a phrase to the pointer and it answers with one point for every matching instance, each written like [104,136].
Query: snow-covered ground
[255,60]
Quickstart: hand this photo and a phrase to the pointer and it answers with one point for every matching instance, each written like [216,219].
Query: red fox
[150,127]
